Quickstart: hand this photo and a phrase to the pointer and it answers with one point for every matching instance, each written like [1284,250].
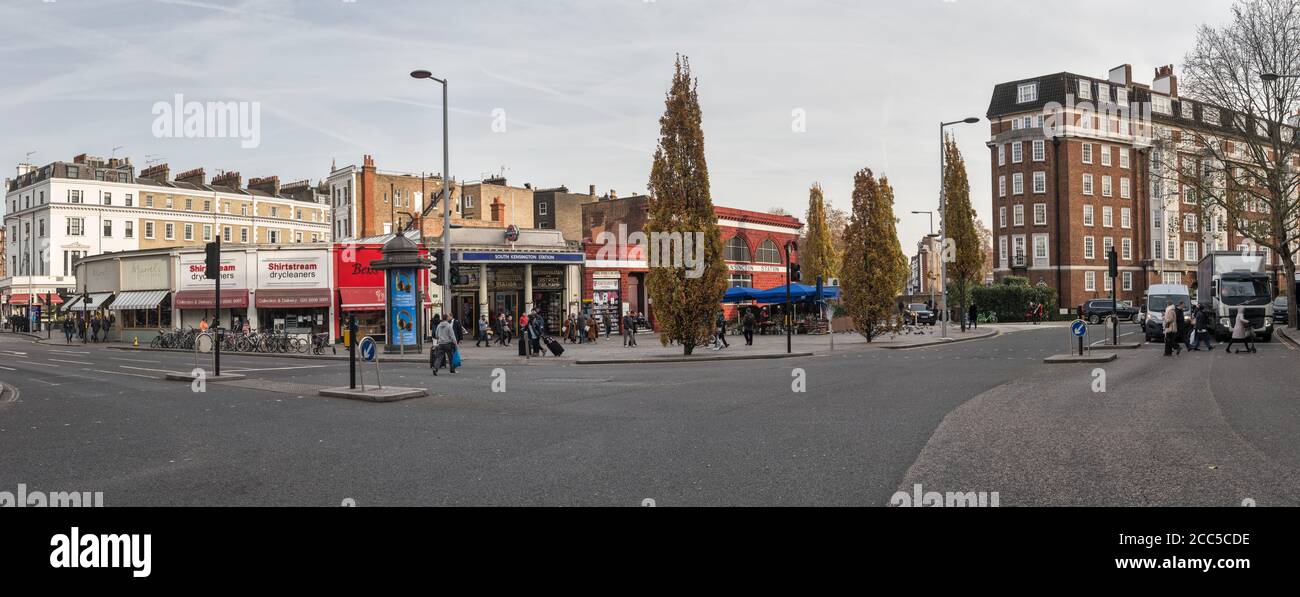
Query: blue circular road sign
[1079,328]
[367,348]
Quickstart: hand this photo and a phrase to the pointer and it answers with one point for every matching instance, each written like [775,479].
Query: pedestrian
[1241,332]
[593,329]
[1184,327]
[94,329]
[1171,331]
[69,328]
[722,329]
[1202,329]
[973,315]
[203,325]
[445,338]
[747,326]
[582,327]
[482,332]
[81,328]
[108,326]
[629,330]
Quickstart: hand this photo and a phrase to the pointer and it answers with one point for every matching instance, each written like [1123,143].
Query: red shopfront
[360,289]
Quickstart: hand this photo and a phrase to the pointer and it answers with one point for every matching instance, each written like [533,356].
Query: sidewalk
[611,350]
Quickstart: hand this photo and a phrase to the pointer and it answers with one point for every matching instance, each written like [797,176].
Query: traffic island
[374,393]
[178,376]
[1098,357]
[1121,346]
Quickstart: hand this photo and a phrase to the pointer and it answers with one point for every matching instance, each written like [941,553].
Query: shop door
[508,303]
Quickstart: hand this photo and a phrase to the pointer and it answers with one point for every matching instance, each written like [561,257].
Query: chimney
[528,185]
[613,194]
[230,179]
[1166,82]
[80,159]
[194,177]
[1122,74]
[368,161]
[157,173]
[591,190]
[267,184]
[498,210]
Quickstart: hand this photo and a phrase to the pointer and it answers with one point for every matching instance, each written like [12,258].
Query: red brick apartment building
[1072,177]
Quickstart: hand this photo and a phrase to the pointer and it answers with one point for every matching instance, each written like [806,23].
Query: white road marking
[73,362]
[46,382]
[146,369]
[7,368]
[133,360]
[42,364]
[277,368]
[70,351]
[124,373]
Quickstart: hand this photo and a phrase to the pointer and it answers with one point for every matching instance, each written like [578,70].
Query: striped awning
[139,299]
[72,304]
[96,301]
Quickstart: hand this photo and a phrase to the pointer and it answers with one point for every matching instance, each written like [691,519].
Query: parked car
[919,314]
[1279,311]
[1096,310]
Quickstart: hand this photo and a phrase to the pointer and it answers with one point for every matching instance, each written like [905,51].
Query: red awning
[288,298]
[362,299]
[37,299]
[231,298]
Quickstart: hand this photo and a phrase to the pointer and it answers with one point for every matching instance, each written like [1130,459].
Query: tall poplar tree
[684,303]
[874,268]
[962,251]
[818,255]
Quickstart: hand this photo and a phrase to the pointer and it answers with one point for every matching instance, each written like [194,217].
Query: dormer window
[1026,92]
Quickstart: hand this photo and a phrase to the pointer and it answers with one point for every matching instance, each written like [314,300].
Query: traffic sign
[1079,328]
[367,348]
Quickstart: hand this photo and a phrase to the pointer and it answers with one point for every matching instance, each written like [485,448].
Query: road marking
[42,364]
[145,369]
[124,373]
[133,360]
[70,351]
[277,368]
[46,382]
[73,362]
[7,368]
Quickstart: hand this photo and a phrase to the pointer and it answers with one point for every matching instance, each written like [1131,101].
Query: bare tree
[1240,156]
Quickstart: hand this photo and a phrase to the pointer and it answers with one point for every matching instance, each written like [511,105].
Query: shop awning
[36,299]
[231,298]
[91,302]
[362,299]
[139,299]
[289,298]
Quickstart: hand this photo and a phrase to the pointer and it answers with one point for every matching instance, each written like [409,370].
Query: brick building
[1078,168]
[558,209]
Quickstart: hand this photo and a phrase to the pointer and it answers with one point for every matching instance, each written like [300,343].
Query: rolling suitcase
[555,347]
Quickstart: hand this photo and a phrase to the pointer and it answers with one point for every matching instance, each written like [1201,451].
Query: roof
[757,217]
[206,188]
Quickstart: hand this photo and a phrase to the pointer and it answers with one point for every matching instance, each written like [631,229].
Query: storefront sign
[548,280]
[192,268]
[518,257]
[146,273]
[604,284]
[403,318]
[741,267]
[292,269]
[606,275]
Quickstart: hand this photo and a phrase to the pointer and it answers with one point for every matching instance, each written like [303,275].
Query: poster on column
[402,314]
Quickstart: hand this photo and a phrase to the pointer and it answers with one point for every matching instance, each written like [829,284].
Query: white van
[1158,297]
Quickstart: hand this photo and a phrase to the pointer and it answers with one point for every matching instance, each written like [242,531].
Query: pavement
[848,427]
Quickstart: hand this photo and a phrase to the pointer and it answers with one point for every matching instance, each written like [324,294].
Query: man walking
[1171,331]
[629,330]
[747,326]
[973,315]
[445,336]
[482,332]
[1201,328]
[722,329]
[69,328]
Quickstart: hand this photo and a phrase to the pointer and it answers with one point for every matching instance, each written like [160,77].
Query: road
[984,415]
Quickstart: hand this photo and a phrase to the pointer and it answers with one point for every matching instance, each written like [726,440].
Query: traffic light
[212,261]
[795,276]
[1114,263]
[456,278]
[437,267]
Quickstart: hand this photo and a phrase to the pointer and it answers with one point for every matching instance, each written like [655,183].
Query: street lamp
[446,195]
[931,235]
[943,263]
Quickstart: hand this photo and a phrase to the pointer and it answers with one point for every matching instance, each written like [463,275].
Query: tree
[1240,157]
[874,268]
[986,246]
[818,255]
[685,300]
[961,251]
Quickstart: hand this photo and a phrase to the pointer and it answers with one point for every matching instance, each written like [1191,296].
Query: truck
[1230,280]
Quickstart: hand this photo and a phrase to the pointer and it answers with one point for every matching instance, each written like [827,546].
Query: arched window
[768,253]
[737,249]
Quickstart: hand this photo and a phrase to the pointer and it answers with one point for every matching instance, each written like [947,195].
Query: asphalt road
[984,415]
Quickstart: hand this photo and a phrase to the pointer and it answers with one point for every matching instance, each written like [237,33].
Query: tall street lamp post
[446,195]
[943,229]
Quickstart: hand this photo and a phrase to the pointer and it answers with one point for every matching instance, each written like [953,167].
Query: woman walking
[1241,333]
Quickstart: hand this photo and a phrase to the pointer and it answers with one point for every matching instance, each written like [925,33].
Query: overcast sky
[580,84]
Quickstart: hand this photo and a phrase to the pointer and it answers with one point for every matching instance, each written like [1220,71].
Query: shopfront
[514,281]
[360,290]
[143,307]
[195,299]
[293,290]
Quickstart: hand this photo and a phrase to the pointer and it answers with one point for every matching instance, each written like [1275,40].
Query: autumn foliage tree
[874,268]
[684,299]
[818,256]
[961,251]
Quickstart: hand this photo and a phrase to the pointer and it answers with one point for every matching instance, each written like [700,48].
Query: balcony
[1019,262]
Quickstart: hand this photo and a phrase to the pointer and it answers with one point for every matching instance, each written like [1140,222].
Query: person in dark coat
[1202,328]
[973,315]
[94,329]
[1180,321]
[69,328]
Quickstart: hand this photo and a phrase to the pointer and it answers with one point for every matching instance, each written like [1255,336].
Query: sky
[563,92]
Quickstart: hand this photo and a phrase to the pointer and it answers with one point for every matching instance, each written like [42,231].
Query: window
[275,211]
[1126,279]
[1106,188]
[1040,214]
[1002,155]
[1087,184]
[74,172]
[129,200]
[768,253]
[297,237]
[1210,115]
[1090,281]
[1018,215]
[1123,157]
[1125,191]
[1160,104]
[207,206]
[1103,92]
[169,231]
[542,209]
[1121,96]
[243,209]
[273,236]
[108,228]
[189,232]
[1019,241]
[243,235]
[1125,218]
[1105,155]
[148,200]
[225,234]
[1085,89]
[1173,249]
[1040,247]
[1189,222]
[169,202]
[737,249]
[1088,215]
[207,232]
[1002,217]
[76,226]
[1039,150]
[128,229]
[1089,248]
[74,196]
[1107,244]
[1018,184]
[1189,251]
[1002,186]
[1040,182]
[108,199]
[1087,153]
[1026,92]
[1126,248]
[1017,152]
[1002,251]
[1107,217]
[1106,283]
[1157,251]
[1185,108]
[148,230]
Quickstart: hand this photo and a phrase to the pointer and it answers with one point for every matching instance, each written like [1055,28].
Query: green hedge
[1010,299]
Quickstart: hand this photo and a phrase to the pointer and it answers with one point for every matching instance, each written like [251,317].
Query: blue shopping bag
[455,358]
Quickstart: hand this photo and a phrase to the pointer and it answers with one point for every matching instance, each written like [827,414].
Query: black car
[919,314]
[1096,310]
[1279,311]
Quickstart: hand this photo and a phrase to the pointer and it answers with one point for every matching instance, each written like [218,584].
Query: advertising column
[403,318]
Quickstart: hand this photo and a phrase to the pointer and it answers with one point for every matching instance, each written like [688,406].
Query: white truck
[1230,280]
